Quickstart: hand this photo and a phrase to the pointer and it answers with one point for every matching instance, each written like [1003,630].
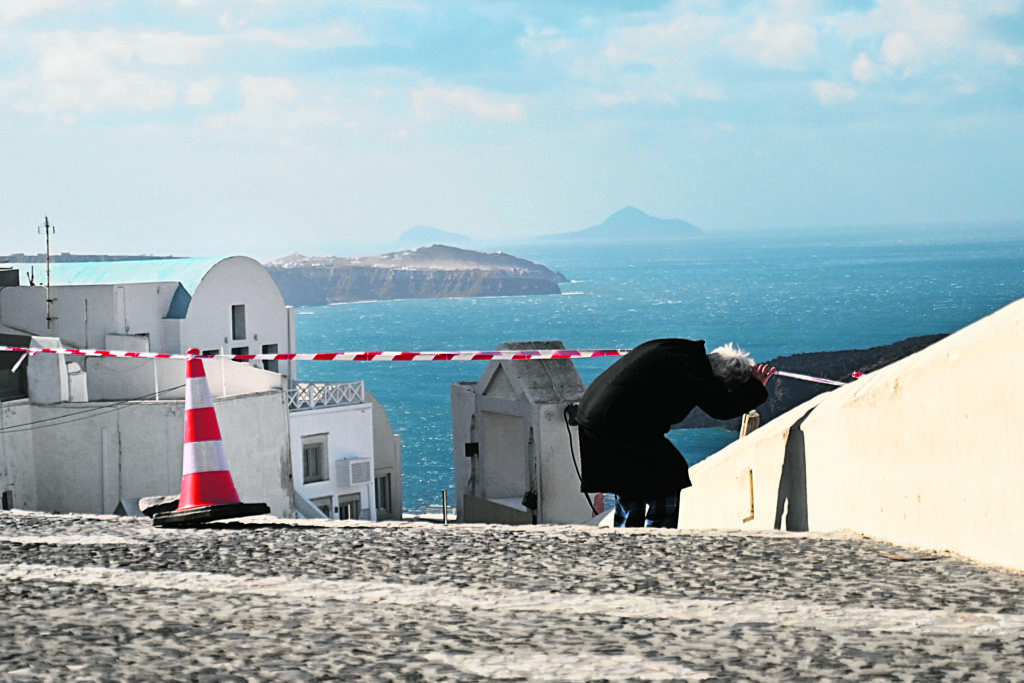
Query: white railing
[312,395]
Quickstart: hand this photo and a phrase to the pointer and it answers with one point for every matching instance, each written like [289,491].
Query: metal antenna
[47,229]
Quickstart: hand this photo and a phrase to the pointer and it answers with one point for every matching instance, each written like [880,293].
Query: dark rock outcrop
[786,393]
[429,272]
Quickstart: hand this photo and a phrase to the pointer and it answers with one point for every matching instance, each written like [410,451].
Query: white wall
[23,309]
[83,315]
[135,450]
[349,430]
[116,379]
[510,461]
[464,430]
[17,473]
[926,452]
[561,501]
[238,280]
[387,453]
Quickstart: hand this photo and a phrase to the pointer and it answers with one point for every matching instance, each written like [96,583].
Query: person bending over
[625,413]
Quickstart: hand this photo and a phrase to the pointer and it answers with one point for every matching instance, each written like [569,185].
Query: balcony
[313,395]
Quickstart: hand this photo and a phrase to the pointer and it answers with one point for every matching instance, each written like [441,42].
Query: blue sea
[773,293]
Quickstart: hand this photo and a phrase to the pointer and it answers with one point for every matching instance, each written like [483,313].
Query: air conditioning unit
[354,472]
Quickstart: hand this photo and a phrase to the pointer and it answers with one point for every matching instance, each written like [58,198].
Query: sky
[330,127]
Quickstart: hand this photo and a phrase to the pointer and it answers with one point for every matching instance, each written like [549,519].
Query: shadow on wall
[792,498]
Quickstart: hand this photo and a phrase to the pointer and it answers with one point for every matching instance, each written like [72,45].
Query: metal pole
[444,506]
[46,229]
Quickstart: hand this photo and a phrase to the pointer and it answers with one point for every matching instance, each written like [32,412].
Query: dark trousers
[660,512]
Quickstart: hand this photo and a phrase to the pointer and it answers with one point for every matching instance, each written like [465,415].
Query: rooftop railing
[312,395]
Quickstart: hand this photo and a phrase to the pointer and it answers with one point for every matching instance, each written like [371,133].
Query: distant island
[629,224]
[437,271]
[65,257]
[633,225]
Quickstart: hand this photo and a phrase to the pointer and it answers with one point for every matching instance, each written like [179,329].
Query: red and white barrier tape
[509,354]
[819,380]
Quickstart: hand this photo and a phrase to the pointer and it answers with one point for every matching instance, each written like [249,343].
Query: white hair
[731,365]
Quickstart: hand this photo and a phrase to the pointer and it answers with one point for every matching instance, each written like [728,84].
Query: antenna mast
[47,229]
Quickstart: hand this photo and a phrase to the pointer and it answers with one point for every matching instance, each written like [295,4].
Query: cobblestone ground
[108,598]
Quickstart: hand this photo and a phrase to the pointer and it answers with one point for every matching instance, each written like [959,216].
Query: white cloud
[829,92]
[902,50]
[15,10]
[915,35]
[863,69]
[202,93]
[85,72]
[787,46]
[655,62]
[543,43]
[662,44]
[1002,54]
[267,92]
[272,105]
[169,49]
[91,71]
[318,38]
[434,102]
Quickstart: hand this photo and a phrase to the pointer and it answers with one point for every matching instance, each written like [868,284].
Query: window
[348,506]
[239,351]
[314,459]
[270,364]
[238,321]
[382,489]
[324,505]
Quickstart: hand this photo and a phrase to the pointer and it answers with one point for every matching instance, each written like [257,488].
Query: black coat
[625,413]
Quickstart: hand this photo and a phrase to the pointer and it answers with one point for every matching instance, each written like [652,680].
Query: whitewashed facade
[78,434]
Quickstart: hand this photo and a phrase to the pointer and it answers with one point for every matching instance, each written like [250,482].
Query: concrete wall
[136,449]
[83,315]
[116,379]
[512,420]
[560,499]
[23,309]
[926,452]
[17,473]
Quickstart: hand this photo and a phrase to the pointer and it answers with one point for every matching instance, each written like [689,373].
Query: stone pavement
[85,598]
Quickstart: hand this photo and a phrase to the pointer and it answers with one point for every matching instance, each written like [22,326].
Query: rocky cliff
[785,393]
[429,272]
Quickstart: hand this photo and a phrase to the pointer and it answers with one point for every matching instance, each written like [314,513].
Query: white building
[81,434]
[514,450]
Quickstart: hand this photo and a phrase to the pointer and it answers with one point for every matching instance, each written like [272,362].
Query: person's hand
[762,372]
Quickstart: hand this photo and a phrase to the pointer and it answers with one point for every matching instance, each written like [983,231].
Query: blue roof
[187,271]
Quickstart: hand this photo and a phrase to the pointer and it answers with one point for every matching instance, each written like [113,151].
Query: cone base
[209,513]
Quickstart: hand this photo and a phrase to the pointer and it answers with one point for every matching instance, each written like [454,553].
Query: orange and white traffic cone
[207,490]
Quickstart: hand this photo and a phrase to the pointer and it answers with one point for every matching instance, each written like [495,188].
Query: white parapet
[926,452]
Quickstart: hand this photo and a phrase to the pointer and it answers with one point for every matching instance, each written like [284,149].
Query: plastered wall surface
[926,452]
